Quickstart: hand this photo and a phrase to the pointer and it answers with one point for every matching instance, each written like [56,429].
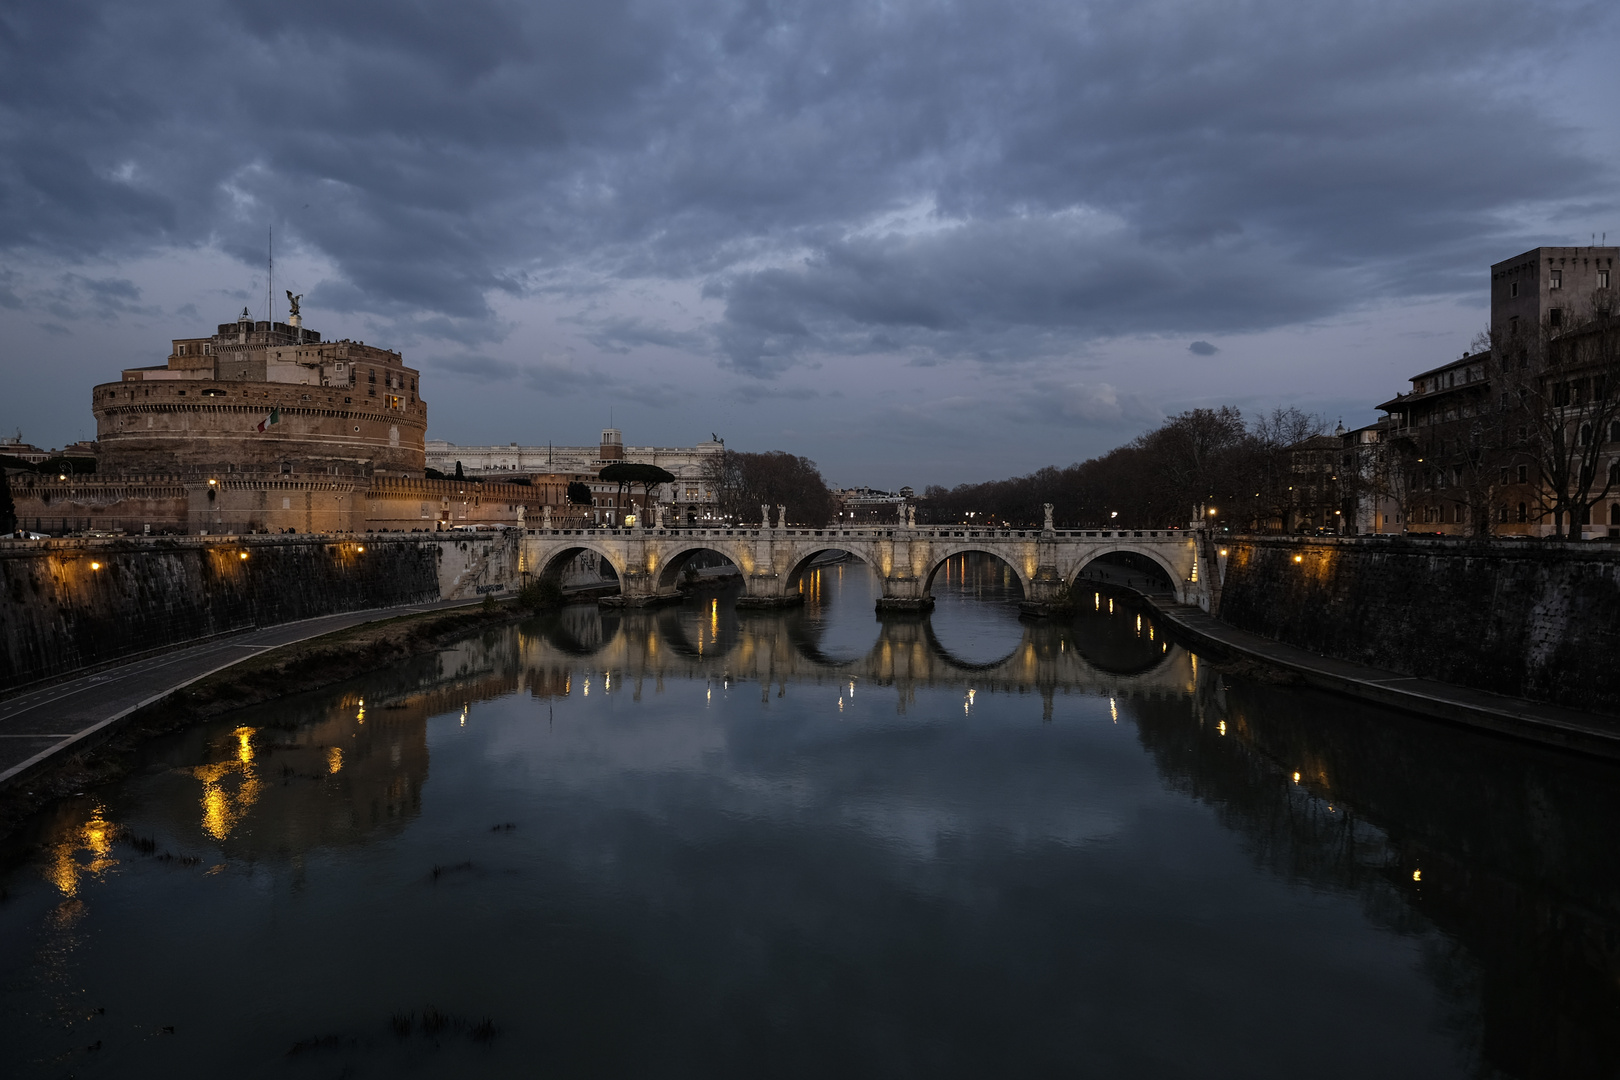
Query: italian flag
[273,418]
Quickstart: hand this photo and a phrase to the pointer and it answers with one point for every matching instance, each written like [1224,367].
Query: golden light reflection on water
[230,788]
[65,871]
[334,759]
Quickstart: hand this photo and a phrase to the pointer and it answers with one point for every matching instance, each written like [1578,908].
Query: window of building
[1523,514]
[1614,513]
[1513,290]
[1603,279]
[1614,431]
[1524,473]
[1586,434]
[1501,515]
[1555,317]
[1557,280]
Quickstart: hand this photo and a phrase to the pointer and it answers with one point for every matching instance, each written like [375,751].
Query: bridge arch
[551,569]
[669,565]
[1022,573]
[804,554]
[1172,574]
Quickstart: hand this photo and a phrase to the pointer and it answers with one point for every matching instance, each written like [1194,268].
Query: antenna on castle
[270,291]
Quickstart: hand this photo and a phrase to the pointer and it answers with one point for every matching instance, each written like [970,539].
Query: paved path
[1569,728]
[54,719]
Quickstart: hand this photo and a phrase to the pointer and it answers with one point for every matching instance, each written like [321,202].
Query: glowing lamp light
[95,566]
[243,556]
[1299,558]
[213,483]
[1223,553]
[61,476]
[362,547]
[1212,511]
[1296,778]
[1417,875]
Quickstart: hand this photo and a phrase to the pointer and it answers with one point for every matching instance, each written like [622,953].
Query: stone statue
[911,516]
[781,516]
[1048,526]
[522,515]
[545,517]
[764,515]
[292,302]
[658,516]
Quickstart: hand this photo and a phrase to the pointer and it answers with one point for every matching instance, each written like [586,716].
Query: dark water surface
[694,842]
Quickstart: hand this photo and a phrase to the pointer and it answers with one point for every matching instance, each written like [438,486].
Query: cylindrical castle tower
[264,398]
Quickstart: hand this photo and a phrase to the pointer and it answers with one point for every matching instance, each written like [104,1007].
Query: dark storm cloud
[936,181]
[1202,348]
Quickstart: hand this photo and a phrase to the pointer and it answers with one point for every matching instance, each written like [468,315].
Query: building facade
[690,500]
[1486,442]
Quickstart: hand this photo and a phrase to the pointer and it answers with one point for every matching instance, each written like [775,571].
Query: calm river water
[697,843]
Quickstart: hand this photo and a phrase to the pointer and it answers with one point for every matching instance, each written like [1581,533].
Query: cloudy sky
[917,242]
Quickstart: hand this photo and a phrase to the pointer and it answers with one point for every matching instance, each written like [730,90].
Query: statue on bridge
[545,517]
[522,516]
[781,516]
[911,517]
[1048,526]
[764,515]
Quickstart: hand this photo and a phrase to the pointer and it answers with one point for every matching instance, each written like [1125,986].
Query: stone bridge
[905,559]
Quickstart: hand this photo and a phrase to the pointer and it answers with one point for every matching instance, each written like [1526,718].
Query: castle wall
[275,503]
[186,425]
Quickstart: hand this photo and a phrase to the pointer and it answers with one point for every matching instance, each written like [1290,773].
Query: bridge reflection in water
[710,638]
[1232,878]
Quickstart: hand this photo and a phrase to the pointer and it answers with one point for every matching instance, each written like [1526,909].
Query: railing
[872,534]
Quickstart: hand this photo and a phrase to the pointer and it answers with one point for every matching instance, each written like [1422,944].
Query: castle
[264,427]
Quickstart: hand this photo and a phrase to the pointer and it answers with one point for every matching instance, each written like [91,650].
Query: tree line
[1209,458]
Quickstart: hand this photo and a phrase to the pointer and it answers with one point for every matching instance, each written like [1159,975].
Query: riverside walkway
[1521,718]
[41,724]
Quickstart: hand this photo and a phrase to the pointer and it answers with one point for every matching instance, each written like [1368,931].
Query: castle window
[1555,317]
[1513,289]
[1603,279]
[1557,280]
[1523,514]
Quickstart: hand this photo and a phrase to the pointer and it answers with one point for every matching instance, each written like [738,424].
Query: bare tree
[743,481]
[1270,470]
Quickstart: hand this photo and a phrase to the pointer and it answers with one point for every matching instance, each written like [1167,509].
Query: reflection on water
[691,841]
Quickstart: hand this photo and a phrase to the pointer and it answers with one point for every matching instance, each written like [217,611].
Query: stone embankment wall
[1523,617]
[70,604]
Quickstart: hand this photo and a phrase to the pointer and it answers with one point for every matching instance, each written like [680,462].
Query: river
[694,842]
